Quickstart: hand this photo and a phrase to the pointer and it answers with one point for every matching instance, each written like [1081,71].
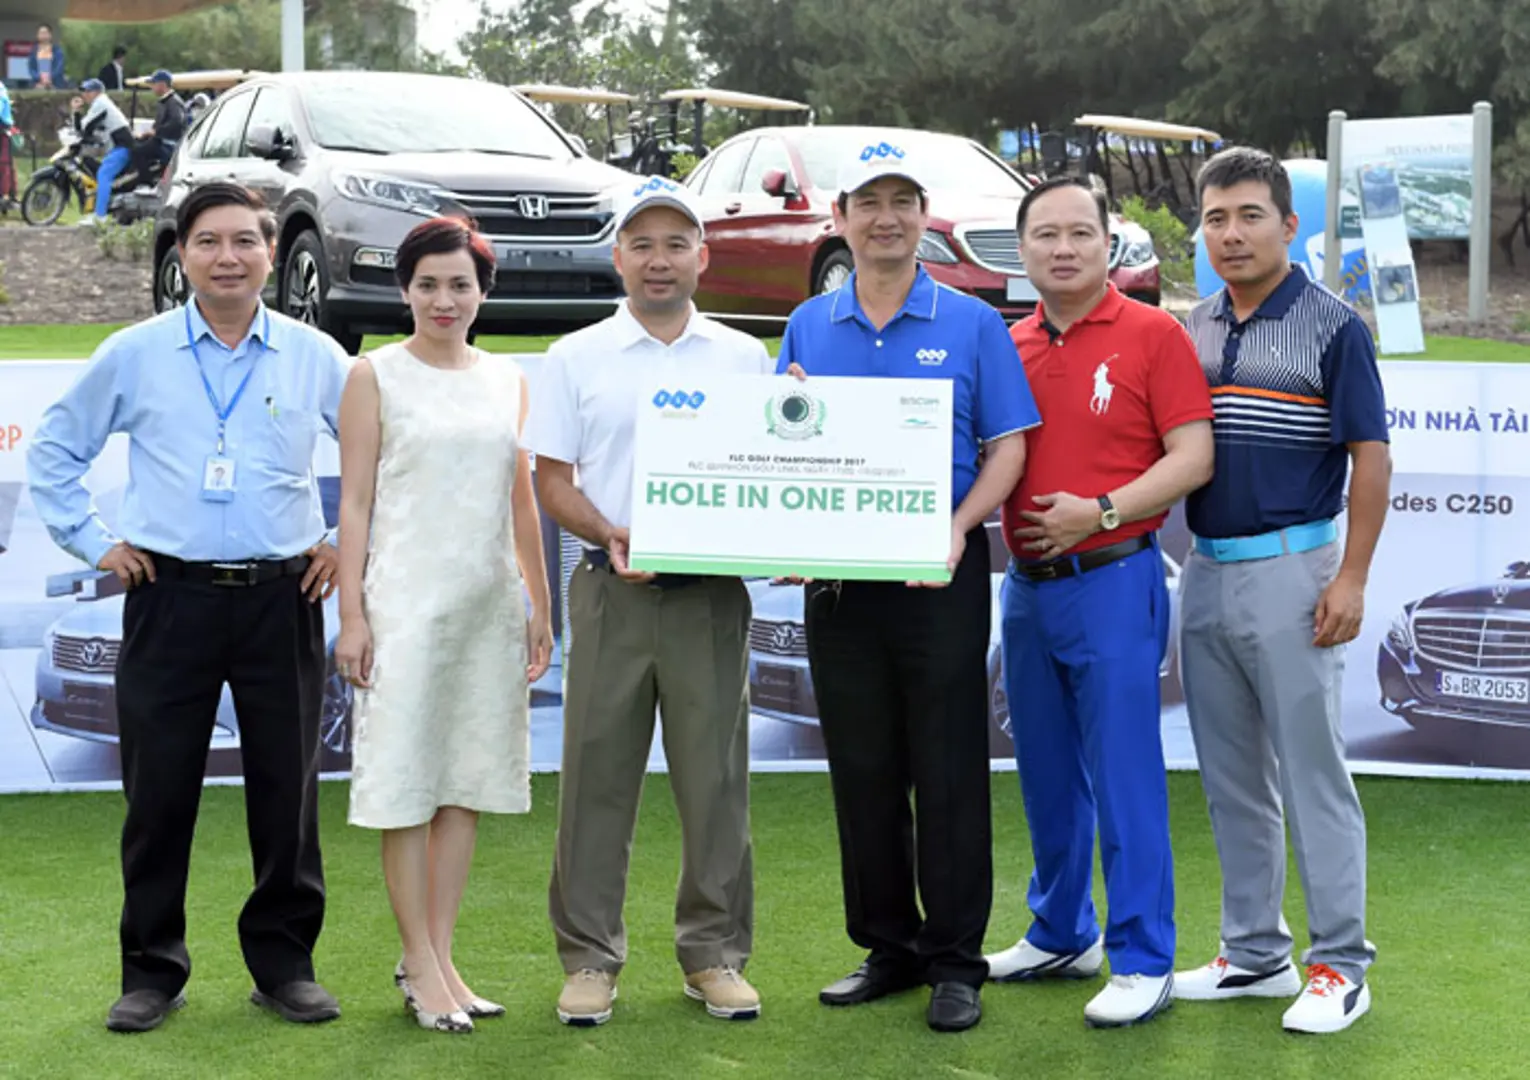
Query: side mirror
[777,184]
[267,141]
[580,145]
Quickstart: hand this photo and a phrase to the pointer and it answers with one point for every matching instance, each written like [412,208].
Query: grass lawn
[79,340]
[1447,880]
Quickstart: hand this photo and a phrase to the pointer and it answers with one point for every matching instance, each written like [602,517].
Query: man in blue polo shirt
[1270,598]
[900,672]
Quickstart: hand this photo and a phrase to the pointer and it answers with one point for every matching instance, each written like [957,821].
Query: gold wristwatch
[1110,517]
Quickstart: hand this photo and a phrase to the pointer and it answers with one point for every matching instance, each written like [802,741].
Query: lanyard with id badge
[218,474]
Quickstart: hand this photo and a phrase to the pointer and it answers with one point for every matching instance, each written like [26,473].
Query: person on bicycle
[103,124]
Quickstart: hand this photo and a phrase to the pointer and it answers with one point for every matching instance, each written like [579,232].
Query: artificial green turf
[1448,880]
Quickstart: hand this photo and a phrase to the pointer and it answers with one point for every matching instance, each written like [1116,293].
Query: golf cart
[1103,135]
[651,154]
[582,98]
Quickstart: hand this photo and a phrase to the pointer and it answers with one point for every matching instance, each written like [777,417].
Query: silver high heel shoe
[456,1022]
[483,1009]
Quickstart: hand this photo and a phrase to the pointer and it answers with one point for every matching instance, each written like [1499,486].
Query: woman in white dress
[438,530]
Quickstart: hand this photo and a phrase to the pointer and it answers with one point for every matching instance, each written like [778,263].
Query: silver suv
[351,161]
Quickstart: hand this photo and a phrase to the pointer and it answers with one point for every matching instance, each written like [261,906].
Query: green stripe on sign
[829,569]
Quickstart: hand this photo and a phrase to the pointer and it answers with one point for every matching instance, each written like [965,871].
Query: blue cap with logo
[92,85]
[646,193]
[876,160]
[162,76]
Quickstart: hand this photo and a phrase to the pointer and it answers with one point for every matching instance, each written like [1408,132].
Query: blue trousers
[1081,659]
[111,167]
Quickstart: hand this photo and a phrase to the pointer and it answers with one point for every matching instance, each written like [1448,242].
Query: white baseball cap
[647,192]
[876,160]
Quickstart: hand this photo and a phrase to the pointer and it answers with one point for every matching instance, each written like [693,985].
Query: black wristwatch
[1110,517]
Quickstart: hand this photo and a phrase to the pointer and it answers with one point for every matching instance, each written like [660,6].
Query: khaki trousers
[684,649]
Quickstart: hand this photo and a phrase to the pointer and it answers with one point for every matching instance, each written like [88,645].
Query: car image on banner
[781,686]
[77,662]
[1461,656]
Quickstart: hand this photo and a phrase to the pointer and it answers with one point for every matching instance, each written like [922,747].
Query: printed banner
[1436,685]
[765,475]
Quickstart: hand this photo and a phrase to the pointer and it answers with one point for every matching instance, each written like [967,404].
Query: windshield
[428,116]
[950,162]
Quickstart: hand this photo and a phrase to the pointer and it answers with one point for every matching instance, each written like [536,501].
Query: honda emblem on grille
[93,653]
[532,206]
[1501,592]
[784,638]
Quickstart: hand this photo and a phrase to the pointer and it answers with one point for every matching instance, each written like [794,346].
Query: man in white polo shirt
[640,640]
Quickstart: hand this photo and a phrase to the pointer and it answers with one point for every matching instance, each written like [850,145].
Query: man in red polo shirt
[1125,434]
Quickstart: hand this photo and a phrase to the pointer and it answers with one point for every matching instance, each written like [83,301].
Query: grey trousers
[1264,707]
[685,650]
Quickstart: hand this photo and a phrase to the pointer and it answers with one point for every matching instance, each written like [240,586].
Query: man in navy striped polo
[1271,597]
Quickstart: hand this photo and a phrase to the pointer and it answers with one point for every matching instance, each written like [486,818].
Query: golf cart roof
[1146,129]
[579,95]
[732,99]
[198,80]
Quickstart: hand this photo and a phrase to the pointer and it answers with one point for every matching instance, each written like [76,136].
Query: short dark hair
[442,236]
[45,26]
[1236,164]
[119,52]
[216,193]
[1056,183]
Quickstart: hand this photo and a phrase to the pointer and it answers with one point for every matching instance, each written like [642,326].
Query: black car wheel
[834,272]
[305,287]
[170,287]
[43,201]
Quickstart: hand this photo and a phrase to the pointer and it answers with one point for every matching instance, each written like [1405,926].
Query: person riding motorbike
[104,125]
[157,146]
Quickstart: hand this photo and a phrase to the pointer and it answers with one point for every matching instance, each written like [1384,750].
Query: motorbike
[72,171]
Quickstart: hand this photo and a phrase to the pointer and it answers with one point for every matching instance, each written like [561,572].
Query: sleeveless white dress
[445,722]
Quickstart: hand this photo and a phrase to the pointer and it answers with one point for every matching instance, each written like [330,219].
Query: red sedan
[768,196]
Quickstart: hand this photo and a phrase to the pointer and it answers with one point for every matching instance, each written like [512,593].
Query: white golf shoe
[1330,1003]
[1221,981]
[1130,999]
[1023,962]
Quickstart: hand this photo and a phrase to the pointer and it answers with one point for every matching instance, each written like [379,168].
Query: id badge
[218,479]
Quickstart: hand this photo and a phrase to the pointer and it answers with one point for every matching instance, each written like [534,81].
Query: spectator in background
[45,67]
[113,75]
[7,166]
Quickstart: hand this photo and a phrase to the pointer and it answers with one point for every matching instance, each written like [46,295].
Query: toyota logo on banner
[534,207]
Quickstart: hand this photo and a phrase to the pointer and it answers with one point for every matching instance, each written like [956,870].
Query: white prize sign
[835,478]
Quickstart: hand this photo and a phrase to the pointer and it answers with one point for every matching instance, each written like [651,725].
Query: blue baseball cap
[92,84]
[162,76]
[653,191]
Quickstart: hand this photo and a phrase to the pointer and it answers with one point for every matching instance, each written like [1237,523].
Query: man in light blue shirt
[221,548]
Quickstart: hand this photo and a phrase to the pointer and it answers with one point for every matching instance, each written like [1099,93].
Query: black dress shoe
[300,1002]
[142,1010]
[954,1007]
[867,983]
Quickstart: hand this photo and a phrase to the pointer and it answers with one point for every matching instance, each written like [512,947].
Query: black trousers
[181,642]
[901,679]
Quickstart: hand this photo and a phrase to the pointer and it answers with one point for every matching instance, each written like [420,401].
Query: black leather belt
[600,559]
[1083,562]
[238,574]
